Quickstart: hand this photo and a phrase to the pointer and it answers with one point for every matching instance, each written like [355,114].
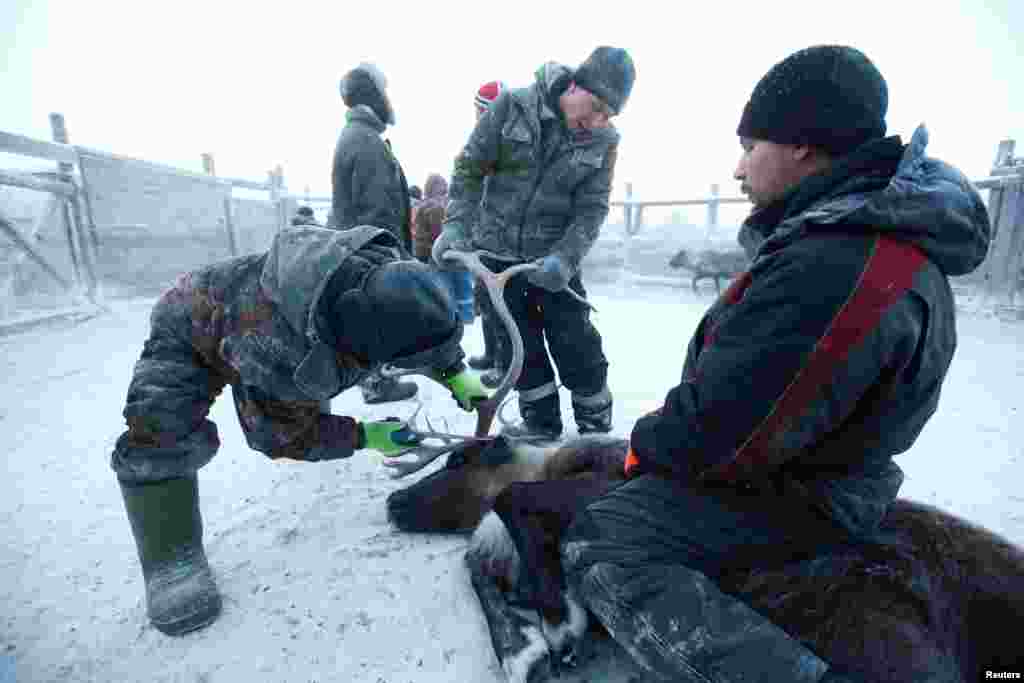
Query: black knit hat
[608,73]
[367,85]
[828,96]
[400,314]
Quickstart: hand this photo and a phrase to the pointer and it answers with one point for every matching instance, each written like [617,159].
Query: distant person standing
[369,187]
[304,216]
[497,347]
[427,226]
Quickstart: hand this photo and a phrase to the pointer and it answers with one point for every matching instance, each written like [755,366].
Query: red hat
[487,93]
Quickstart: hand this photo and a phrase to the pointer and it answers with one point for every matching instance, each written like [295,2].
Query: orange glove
[631,462]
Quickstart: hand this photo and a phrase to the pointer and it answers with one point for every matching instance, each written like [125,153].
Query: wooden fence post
[713,210]
[210,168]
[627,209]
[72,213]
[1006,211]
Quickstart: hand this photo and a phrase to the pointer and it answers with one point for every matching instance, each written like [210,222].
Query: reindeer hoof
[532,662]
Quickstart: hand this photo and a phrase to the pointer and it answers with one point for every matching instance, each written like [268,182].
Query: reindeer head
[455,497]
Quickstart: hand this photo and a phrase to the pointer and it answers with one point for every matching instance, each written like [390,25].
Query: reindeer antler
[488,409]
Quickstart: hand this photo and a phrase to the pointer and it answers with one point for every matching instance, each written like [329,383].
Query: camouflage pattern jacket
[254,323]
[547,187]
[368,184]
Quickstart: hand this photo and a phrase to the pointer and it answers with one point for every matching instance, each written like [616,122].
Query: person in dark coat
[547,154]
[287,330]
[369,186]
[304,216]
[812,371]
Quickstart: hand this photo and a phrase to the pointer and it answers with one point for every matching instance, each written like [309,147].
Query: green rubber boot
[181,595]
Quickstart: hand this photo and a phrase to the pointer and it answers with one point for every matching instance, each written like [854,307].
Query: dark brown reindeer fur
[935,599]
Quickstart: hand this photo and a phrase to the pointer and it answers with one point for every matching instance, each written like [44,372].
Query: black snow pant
[562,321]
[496,339]
[640,556]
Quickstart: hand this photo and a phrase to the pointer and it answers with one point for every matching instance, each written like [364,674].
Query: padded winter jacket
[253,321]
[368,185]
[547,187]
[826,358]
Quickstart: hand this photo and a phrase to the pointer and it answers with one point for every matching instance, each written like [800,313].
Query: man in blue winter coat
[287,329]
[801,383]
[547,153]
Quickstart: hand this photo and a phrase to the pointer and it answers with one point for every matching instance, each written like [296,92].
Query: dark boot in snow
[593,413]
[379,389]
[542,420]
[484,362]
[181,595]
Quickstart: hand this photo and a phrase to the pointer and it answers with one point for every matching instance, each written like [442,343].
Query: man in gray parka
[288,329]
[548,155]
[369,186]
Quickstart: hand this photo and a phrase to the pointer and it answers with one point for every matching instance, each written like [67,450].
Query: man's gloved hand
[467,390]
[552,273]
[389,436]
[445,241]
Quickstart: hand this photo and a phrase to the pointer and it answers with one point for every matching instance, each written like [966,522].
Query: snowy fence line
[115,226]
[1002,273]
[98,231]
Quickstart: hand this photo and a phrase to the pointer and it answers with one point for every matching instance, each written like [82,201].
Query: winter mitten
[389,436]
[552,273]
[467,390]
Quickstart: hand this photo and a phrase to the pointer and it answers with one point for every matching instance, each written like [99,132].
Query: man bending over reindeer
[288,329]
[817,366]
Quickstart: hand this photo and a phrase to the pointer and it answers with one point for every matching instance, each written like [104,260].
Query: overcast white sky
[256,84]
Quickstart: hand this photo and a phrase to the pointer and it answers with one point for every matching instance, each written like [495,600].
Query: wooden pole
[1006,204]
[713,210]
[627,209]
[229,224]
[7,226]
[74,217]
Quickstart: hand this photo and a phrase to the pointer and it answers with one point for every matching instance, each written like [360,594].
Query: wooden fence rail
[75,200]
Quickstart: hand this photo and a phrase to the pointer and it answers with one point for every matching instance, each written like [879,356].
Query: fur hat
[367,85]
[828,96]
[608,73]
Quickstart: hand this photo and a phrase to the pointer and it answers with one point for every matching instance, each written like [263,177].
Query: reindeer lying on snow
[711,265]
[934,599]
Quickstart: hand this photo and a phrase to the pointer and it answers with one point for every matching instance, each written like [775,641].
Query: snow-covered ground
[317,585]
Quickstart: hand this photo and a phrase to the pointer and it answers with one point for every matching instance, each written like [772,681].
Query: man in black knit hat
[547,153]
[803,381]
[287,329]
[369,186]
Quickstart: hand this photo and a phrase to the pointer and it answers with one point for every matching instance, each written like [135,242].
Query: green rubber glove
[467,390]
[389,436]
